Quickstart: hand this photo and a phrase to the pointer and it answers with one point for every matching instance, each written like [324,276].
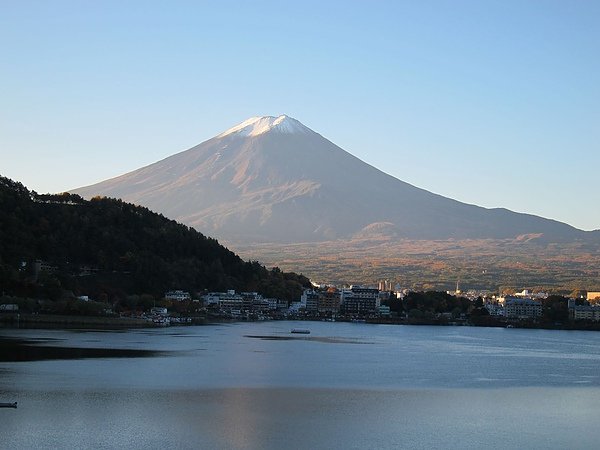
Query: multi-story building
[385,285]
[521,308]
[231,302]
[360,300]
[310,301]
[322,302]
[260,304]
[583,311]
[252,301]
[329,301]
[494,309]
[586,312]
[227,301]
[276,304]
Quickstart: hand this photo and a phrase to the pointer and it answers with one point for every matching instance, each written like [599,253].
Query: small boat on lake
[8,405]
[300,331]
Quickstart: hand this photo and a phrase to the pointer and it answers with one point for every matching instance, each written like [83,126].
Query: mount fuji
[272,179]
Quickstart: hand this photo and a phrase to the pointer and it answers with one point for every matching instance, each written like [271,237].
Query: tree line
[429,305]
[106,248]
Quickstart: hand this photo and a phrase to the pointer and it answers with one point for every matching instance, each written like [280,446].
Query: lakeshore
[57,320]
[70,321]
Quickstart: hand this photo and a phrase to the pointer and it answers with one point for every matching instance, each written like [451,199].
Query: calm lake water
[344,386]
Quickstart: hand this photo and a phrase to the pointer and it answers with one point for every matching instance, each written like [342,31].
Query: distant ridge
[272,179]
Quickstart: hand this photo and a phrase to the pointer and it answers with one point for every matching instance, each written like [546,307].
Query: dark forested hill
[53,243]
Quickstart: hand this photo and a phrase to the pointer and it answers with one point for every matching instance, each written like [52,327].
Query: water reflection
[327,340]
[20,350]
[330,419]
[252,385]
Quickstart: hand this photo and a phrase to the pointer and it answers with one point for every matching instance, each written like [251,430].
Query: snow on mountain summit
[271,179]
[258,125]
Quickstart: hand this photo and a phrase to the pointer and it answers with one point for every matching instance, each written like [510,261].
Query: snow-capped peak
[259,125]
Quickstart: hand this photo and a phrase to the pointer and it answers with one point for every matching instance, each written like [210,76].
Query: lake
[257,386]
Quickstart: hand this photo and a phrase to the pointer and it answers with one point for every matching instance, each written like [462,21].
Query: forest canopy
[50,243]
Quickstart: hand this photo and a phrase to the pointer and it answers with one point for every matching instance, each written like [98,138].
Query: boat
[300,331]
[8,405]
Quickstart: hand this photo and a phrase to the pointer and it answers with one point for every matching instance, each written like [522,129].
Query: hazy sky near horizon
[495,103]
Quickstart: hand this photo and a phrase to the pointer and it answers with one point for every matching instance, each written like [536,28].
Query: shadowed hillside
[108,247]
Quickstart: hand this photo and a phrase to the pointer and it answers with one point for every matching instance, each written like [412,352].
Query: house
[178,295]
[158,311]
[9,307]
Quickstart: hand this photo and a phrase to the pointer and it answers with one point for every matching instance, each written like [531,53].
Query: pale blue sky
[495,103]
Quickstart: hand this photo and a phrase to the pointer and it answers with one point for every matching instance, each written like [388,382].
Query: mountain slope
[271,179]
[131,249]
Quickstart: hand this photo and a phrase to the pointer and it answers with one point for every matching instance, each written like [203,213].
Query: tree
[130,249]
[555,308]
